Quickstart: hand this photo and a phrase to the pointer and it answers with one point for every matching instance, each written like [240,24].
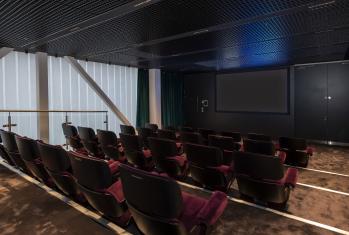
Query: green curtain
[142,98]
[171,99]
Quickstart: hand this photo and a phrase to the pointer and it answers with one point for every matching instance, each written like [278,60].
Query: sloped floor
[28,209]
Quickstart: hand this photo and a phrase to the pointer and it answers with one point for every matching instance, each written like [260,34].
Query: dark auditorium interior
[174,117]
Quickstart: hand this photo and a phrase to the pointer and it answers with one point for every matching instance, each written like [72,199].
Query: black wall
[201,86]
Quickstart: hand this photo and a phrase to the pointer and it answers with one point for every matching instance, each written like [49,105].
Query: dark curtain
[142,98]
[171,99]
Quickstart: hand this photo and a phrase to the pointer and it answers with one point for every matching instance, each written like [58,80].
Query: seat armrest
[291,177]
[282,156]
[213,209]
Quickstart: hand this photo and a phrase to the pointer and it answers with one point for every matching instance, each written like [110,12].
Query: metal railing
[9,124]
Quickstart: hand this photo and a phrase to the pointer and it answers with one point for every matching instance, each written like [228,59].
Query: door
[338,102]
[311,101]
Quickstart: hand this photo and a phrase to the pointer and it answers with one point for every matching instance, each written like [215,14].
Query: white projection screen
[258,91]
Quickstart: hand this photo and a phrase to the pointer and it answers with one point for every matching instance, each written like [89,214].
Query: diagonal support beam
[4,51]
[75,64]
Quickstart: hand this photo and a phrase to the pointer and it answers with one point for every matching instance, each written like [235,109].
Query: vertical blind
[18,91]
[68,90]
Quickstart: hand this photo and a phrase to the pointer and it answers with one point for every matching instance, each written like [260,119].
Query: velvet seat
[263,178]
[166,157]
[260,137]
[73,139]
[187,129]
[135,153]
[297,151]
[4,155]
[191,137]
[235,135]
[57,164]
[159,207]
[10,145]
[167,134]
[205,133]
[144,134]
[90,142]
[226,144]
[129,130]
[263,147]
[207,168]
[152,126]
[30,154]
[96,179]
[110,146]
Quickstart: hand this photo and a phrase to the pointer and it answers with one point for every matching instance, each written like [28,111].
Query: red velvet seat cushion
[282,156]
[214,208]
[113,166]
[191,208]
[116,190]
[290,178]
[310,151]
[181,160]
[224,169]
[147,153]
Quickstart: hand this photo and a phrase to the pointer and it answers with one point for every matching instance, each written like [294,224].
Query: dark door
[338,102]
[311,101]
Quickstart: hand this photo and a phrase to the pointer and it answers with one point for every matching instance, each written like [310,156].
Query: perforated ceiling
[180,34]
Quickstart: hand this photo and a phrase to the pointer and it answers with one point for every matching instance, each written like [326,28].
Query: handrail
[50,111]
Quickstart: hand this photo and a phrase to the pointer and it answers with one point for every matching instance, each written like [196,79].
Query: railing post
[9,124]
[106,121]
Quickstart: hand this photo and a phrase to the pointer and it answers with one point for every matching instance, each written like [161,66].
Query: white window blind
[18,91]
[67,90]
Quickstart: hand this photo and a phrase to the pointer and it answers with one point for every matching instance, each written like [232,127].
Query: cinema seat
[57,165]
[207,168]
[263,147]
[101,189]
[129,130]
[191,137]
[235,135]
[226,144]
[110,146]
[10,145]
[187,129]
[159,207]
[153,127]
[145,133]
[135,153]
[205,133]
[263,178]
[166,157]
[261,137]
[73,139]
[90,142]
[30,154]
[167,134]
[297,151]
[4,155]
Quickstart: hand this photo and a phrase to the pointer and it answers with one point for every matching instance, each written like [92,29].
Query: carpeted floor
[25,208]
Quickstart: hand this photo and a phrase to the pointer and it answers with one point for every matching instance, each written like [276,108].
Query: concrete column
[42,95]
[155,96]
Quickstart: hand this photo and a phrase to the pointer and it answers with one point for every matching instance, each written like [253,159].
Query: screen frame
[288,99]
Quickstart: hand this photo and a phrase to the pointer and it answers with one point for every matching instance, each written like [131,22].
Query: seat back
[133,149]
[129,130]
[4,154]
[153,127]
[261,147]
[108,141]
[90,172]
[161,150]
[57,164]
[154,201]
[187,129]
[206,132]
[202,162]
[292,144]
[90,141]
[191,137]
[258,175]
[223,142]
[29,152]
[235,135]
[145,133]
[10,145]
[261,137]
[167,134]
[71,135]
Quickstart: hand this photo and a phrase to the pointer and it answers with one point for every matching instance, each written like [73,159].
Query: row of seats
[118,191]
[213,167]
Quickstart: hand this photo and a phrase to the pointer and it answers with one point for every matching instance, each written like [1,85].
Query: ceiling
[185,35]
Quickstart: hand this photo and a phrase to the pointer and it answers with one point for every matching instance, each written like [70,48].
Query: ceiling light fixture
[74,29]
[321,5]
[200,31]
[142,3]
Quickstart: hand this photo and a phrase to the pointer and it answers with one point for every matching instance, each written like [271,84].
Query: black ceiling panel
[180,34]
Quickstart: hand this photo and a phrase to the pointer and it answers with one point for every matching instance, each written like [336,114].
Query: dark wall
[201,86]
